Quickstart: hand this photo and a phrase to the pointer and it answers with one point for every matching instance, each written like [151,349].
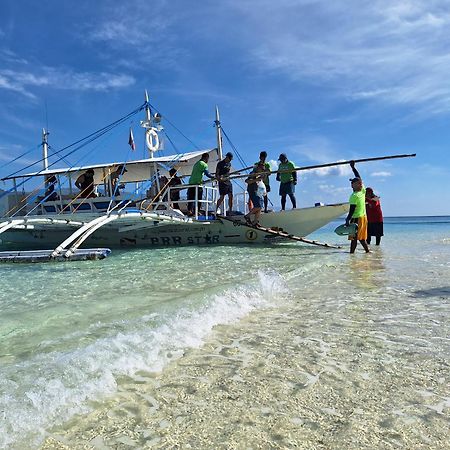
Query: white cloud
[11,85]
[381,174]
[138,24]
[331,188]
[273,164]
[341,170]
[393,52]
[22,81]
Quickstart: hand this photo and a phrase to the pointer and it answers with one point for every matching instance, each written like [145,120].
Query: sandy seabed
[279,379]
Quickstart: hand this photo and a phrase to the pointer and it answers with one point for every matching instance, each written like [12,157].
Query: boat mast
[151,137]
[151,132]
[45,148]
[219,132]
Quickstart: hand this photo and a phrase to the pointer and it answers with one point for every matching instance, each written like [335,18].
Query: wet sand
[279,379]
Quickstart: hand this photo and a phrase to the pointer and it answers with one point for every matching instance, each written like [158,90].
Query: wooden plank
[279,233]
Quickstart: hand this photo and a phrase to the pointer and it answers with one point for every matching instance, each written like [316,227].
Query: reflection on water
[367,270]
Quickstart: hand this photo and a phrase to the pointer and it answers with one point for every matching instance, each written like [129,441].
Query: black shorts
[225,188]
[191,196]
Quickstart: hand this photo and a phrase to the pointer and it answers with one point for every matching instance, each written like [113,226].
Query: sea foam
[51,387]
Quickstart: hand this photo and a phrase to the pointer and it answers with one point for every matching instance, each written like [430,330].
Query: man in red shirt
[374,216]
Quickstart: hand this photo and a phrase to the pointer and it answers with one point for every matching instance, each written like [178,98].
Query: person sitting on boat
[200,168]
[174,181]
[267,168]
[374,217]
[256,190]
[85,183]
[357,212]
[50,193]
[163,185]
[115,178]
[287,176]
[225,186]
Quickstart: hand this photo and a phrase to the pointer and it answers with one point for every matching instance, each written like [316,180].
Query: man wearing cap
[267,168]
[357,212]
[115,178]
[225,186]
[200,168]
[287,176]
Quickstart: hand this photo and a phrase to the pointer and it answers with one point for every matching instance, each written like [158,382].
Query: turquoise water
[334,350]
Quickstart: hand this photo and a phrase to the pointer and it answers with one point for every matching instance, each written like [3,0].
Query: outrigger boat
[142,215]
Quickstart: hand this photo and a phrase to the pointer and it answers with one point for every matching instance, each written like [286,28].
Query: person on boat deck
[115,178]
[287,176]
[225,186]
[256,190]
[50,193]
[262,159]
[85,183]
[163,185]
[357,212]
[200,168]
[174,181]
[374,216]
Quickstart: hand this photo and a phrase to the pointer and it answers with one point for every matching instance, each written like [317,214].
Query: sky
[320,81]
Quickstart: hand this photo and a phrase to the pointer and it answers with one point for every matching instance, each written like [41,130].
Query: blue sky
[321,81]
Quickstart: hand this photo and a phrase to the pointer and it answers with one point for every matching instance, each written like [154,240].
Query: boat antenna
[45,134]
[219,132]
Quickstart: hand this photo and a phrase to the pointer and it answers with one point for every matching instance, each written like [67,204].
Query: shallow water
[286,346]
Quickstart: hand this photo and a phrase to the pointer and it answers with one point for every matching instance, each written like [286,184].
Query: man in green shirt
[357,212]
[287,176]
[262,160]
[200,168]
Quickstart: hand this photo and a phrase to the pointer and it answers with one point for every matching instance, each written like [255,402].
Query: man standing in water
[287,176]
[357,212]
[225,186]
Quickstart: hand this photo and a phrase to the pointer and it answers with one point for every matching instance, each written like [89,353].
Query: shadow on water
[442,292]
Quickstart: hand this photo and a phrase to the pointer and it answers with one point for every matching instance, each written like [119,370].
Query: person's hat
[282,156]
[229,155]
[354,180]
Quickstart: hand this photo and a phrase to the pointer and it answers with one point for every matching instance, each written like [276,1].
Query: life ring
[152,140]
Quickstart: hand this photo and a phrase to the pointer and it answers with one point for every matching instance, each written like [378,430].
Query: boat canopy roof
[137,170]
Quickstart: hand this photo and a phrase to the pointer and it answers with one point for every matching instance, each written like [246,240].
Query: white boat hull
[134,233]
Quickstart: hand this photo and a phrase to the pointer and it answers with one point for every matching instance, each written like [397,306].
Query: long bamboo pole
[319,166]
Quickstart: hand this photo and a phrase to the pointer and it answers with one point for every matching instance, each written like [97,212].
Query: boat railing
[80,205]
[202,207]
[240,201]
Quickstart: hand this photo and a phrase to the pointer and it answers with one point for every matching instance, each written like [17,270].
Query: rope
[241,160]
[176,128]
[44,199]
[87,140]
[20,156]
